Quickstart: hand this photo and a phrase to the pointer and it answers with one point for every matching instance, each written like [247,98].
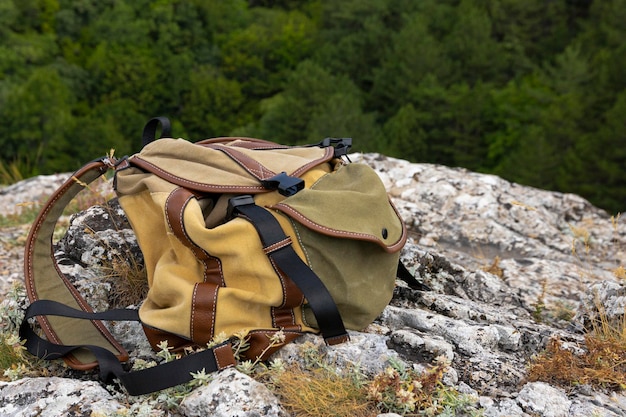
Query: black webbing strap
[281,252]
[150,129]
[138,382]
[405,275]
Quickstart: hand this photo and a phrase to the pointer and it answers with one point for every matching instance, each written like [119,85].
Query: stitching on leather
[277,246]
[193,310]
[203,186]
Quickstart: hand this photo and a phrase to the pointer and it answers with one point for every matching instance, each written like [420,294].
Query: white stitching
[193,310]
[277,246]
[201,185]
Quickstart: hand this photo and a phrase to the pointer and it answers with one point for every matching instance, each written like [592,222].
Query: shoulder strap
[140,382]
[278,248]
[405,275]
[45,281]
[73,331]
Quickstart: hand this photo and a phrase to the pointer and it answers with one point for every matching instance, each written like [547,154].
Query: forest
[533,91]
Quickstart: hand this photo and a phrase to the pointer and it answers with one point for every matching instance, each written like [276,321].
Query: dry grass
[601,361]
[321,392]
[128,279]
[321,388]
[494,268]
[601,365]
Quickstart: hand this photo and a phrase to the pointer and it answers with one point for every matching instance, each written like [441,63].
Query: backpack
[238,235]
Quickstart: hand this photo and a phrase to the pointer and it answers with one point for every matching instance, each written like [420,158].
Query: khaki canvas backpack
[238,235]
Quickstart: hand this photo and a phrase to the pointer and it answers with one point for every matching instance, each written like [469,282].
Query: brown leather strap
[174,211]
[258,170]
[45,281]
[254,167]
[203,310]
[204,301]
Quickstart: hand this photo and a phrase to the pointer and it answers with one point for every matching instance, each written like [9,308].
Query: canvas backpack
[238,235]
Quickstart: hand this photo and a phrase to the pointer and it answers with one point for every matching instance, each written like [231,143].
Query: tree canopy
[529,90]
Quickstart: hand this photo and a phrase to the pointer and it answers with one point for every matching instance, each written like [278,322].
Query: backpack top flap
[353,235]
[225,165]
[352,203]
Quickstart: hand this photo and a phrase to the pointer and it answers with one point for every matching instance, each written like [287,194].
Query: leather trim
[156,336]
[329,154]
[174,210]
[260,340]
[224,356]
[284,318]
[331,341]
[277,246]
[300,218]
[243,142]
[283,315]
[194,185]
[254,168]
[203,310]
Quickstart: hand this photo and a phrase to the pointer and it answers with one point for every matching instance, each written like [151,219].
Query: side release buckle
[285,184]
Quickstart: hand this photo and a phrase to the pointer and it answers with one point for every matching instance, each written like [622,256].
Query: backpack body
[210,274]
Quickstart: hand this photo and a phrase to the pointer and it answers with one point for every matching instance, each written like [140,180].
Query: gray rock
[538,398]
[54,397]
[28,193]
[232,394]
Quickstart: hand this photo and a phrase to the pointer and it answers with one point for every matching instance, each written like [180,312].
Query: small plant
[601,364]
[403,391]
[495,268]
[128,279]
[15,363]
[19,168]
[320,387]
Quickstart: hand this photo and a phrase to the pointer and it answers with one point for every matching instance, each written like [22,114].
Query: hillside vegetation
[533,90]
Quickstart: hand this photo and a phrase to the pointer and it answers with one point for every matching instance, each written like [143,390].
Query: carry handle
[150,129]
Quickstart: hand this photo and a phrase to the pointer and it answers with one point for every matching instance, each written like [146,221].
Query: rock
[538,398]
[509,268]
[28,193]
[603,302]
[369,352]
[232,394]
[54,397]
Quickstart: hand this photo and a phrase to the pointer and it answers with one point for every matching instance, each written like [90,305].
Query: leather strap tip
[336,340]
[224,356]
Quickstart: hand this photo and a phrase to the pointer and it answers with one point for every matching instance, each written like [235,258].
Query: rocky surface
[509,267]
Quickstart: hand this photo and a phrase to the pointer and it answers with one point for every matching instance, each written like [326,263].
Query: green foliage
[527,90]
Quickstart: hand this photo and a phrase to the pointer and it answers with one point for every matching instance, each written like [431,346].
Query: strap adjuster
[342,145]
[285,184]
[234,202]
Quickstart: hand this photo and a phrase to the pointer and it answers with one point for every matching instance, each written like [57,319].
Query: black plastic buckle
[342,145]
[285,184]
[234,202]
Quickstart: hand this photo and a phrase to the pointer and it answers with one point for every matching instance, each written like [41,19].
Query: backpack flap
[352,236]
[227,165]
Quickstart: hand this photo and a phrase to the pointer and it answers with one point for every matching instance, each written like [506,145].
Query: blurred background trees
[533,91]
